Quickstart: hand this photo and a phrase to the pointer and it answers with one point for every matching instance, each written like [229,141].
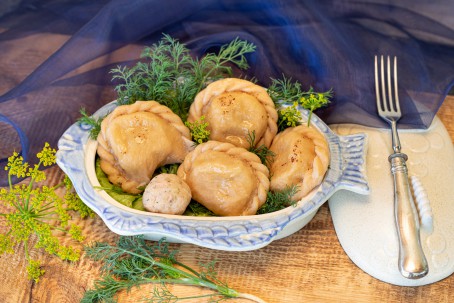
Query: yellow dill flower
[199,131]
[47,155]
[16,166]
[38,210]
[34,270]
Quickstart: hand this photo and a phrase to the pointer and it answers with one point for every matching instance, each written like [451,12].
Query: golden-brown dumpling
[301,158]
[136,139]
[234,108]
[226,179]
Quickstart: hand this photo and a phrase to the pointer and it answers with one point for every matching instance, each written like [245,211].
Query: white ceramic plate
[365,224]
[76,157]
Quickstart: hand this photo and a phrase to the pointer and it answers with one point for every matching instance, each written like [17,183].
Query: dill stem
[46,207]
[59,228]
[10,182]
[61,184]
[45,216]
[18,205]
[190,278]
[195,281]
[30,186]
[251,297]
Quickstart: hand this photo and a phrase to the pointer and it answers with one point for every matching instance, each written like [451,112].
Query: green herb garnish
[169,74]
[39,211]
[313,101]
[265,155]
[288,117]
[199,130]
[168,169]
[198,210]
[278,200]
[133,262]
[92,121]
[287,91]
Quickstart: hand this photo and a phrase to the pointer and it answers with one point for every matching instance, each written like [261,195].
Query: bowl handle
[353,149]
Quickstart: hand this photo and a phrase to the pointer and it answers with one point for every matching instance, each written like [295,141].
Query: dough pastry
[301,158]
[234,108]
[166,194]
[136,139]
[226,179]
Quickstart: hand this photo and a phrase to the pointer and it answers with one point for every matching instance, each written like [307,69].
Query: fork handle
[412,262]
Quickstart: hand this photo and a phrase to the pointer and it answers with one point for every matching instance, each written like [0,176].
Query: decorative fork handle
[412,262]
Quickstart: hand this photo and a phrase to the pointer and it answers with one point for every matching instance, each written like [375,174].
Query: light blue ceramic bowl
[76,157]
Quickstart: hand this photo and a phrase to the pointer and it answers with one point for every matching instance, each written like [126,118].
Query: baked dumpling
[235,108]
[301,158]
[226,179]
[136,139]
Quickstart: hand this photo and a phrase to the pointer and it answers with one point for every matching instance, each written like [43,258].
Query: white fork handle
[412,262]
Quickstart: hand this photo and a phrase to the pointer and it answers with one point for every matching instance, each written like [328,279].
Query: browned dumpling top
[226,179]
[136,139]
[301,158]
[234,109]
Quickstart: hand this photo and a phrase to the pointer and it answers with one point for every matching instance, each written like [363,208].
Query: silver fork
[412,262]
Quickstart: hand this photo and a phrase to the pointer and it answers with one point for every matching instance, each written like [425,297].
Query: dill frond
[278,200]
[95,123]
[168,74]
[132,262]
[265,155]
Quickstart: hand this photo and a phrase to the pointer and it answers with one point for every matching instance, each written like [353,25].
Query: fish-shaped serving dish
[76,157]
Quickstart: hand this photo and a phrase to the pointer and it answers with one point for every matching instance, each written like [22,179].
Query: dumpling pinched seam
[260,171]
[110,161]
[292,164]
[204,98]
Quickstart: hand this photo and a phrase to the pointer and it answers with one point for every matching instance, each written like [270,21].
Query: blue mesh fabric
[55,56]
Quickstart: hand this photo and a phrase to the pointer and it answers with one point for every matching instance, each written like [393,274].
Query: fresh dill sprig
[168,74]
[215,66]
[285,90]
[132,262]
[95,123]
[39,211]
[199,130]
[288,91]
[278,200]
[265,155]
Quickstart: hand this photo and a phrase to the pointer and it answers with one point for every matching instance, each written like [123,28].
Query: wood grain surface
[308,266]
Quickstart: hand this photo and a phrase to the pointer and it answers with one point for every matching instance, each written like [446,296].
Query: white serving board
[365,224]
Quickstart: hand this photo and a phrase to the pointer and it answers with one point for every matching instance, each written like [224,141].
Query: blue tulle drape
[55,56]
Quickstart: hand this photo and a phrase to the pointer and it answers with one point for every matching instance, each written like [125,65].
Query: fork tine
[396,90]
[383,84]
[377,86]
[390,88]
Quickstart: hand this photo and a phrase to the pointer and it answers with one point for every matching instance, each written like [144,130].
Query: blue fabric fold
[57,56]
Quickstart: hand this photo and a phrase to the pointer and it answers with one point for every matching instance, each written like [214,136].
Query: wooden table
[309,266]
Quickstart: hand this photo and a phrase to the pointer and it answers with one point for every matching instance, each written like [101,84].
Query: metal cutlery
[412,263]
